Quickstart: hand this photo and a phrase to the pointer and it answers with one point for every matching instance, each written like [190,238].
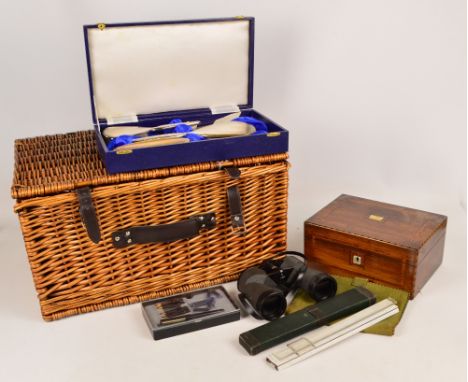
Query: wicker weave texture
[51,164]
[73,275]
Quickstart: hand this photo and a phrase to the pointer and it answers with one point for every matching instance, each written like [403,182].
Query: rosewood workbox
[392,245]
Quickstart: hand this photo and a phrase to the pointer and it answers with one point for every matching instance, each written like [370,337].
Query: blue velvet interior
[207,150]
[205,117]
[194,152]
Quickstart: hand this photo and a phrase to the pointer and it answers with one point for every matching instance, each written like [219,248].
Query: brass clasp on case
[273,134]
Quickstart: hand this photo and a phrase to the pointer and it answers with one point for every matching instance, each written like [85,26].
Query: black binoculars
[264,288]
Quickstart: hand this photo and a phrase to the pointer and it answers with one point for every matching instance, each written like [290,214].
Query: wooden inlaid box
[388,244]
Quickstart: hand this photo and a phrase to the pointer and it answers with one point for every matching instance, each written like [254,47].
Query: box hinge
[224,109]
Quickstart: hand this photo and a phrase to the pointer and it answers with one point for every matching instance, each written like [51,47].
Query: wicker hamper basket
[73,274]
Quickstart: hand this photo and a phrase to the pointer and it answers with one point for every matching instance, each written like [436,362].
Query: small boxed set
[199,213]
[388,244]
[187,312]
[174,93]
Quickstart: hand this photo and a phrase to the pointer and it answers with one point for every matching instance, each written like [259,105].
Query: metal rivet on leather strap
[235,207]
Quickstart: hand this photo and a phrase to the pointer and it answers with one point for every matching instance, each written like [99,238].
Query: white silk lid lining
[145,69]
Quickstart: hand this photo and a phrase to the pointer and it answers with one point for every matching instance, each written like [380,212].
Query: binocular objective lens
[272,305]
[262,293]
[325,288]
[319,285]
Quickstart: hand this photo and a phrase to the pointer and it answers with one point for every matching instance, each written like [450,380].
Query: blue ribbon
[179,128]
[260,126]
[120,141]
[193,137]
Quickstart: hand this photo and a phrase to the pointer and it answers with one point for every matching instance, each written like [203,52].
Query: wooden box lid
[400,226]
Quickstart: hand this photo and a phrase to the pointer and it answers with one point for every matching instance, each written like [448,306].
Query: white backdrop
[374,95]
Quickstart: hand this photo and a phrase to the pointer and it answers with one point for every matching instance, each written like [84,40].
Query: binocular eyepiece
[264,287]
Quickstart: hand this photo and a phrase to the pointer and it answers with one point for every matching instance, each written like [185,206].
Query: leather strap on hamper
[163,233]
[235,208]
[88,214]
[234,201]
[233,172]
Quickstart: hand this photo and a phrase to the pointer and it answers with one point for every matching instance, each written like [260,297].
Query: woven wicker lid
[52,164]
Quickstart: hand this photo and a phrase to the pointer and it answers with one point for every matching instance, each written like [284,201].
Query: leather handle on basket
[164,233]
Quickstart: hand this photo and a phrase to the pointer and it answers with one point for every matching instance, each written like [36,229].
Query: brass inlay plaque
[376,218]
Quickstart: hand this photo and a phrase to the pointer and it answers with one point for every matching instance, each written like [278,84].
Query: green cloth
[381,292]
